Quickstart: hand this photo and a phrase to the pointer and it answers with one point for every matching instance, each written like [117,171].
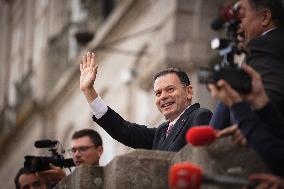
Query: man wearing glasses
[86,149]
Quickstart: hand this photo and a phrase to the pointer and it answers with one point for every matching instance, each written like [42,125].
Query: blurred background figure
[26,179]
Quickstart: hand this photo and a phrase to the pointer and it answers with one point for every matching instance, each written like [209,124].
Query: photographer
[263,127]
[86,149]
[262,24]
[25,179]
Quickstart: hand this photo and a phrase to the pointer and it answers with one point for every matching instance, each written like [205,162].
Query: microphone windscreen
[200,135]
[185,176]
[45,143]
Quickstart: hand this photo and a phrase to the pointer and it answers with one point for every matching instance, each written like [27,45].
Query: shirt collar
[175,120]
[270,29]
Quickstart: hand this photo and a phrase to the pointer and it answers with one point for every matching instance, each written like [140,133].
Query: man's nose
[77,153]
[164,95]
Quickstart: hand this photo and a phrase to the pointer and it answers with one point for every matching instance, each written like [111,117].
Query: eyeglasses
[80,149]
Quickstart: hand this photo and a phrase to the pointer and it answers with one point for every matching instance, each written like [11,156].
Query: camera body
[41,163]
[227,70]
[236,77]
[227,47]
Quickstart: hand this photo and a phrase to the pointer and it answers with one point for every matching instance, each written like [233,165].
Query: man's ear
[266,18]
[100,149]
[189,91]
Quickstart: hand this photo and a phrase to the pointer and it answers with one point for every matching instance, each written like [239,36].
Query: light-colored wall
[63,109]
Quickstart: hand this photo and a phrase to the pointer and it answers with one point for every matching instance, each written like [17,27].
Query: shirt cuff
[98,107]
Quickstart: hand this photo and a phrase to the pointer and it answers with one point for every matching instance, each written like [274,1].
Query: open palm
[88,70]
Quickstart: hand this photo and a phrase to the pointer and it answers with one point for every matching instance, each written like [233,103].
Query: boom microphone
[45,143]
[201,135]
[188,176]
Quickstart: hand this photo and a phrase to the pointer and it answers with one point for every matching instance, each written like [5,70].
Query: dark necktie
[169,129]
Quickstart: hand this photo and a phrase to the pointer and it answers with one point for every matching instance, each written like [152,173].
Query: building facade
[41,46]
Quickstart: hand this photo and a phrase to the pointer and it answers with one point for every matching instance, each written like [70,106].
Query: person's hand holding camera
[53,175]
[257,97]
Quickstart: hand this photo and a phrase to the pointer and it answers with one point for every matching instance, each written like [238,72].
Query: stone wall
[142,169]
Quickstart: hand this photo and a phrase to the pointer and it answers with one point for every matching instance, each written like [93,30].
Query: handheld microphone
[188,176]
[201,135]
[45,143]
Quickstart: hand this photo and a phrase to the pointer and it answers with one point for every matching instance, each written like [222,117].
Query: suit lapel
[178,127]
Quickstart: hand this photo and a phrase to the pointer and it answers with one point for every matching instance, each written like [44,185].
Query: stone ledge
[142,169]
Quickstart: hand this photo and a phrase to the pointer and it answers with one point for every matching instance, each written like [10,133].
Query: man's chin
[167,115]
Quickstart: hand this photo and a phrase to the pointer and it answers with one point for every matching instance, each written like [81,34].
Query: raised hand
[88,70]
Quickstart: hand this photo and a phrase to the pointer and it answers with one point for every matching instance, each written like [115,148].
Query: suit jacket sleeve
[221,116]
[129,134]
[267,58]
[269,147]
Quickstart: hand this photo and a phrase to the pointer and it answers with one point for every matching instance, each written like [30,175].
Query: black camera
[235,76]
[227,69]
[41,163]
[227,48]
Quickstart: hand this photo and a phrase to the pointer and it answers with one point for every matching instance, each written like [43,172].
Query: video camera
[227,48]
[41,163]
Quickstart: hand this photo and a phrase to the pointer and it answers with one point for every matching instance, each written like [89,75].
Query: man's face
[251,20]
[84,152]
[171,96]
[31,181]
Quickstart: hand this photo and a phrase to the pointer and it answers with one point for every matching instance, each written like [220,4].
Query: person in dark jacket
[173,99]
[262,22]
[257,118]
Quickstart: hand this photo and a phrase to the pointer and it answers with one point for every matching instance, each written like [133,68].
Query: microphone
[201,135]
[45,143]
[189,176]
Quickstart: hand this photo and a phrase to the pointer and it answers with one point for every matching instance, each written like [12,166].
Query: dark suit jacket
[264,134]
[266,56]
[139,136]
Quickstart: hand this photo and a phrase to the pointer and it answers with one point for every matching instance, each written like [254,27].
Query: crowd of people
[254,118]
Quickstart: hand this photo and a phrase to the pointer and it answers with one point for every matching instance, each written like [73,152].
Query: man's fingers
[251,72]
[225,86]
[88,59]
[238,139]
[81,67]
[95,69]
[227,131]
[84,62]
[92,64]
[213,90]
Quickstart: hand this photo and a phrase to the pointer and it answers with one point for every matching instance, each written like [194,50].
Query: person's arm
[129,134]
[269,147]
[53,175]
[258,133]
[221,116]
[274,122]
